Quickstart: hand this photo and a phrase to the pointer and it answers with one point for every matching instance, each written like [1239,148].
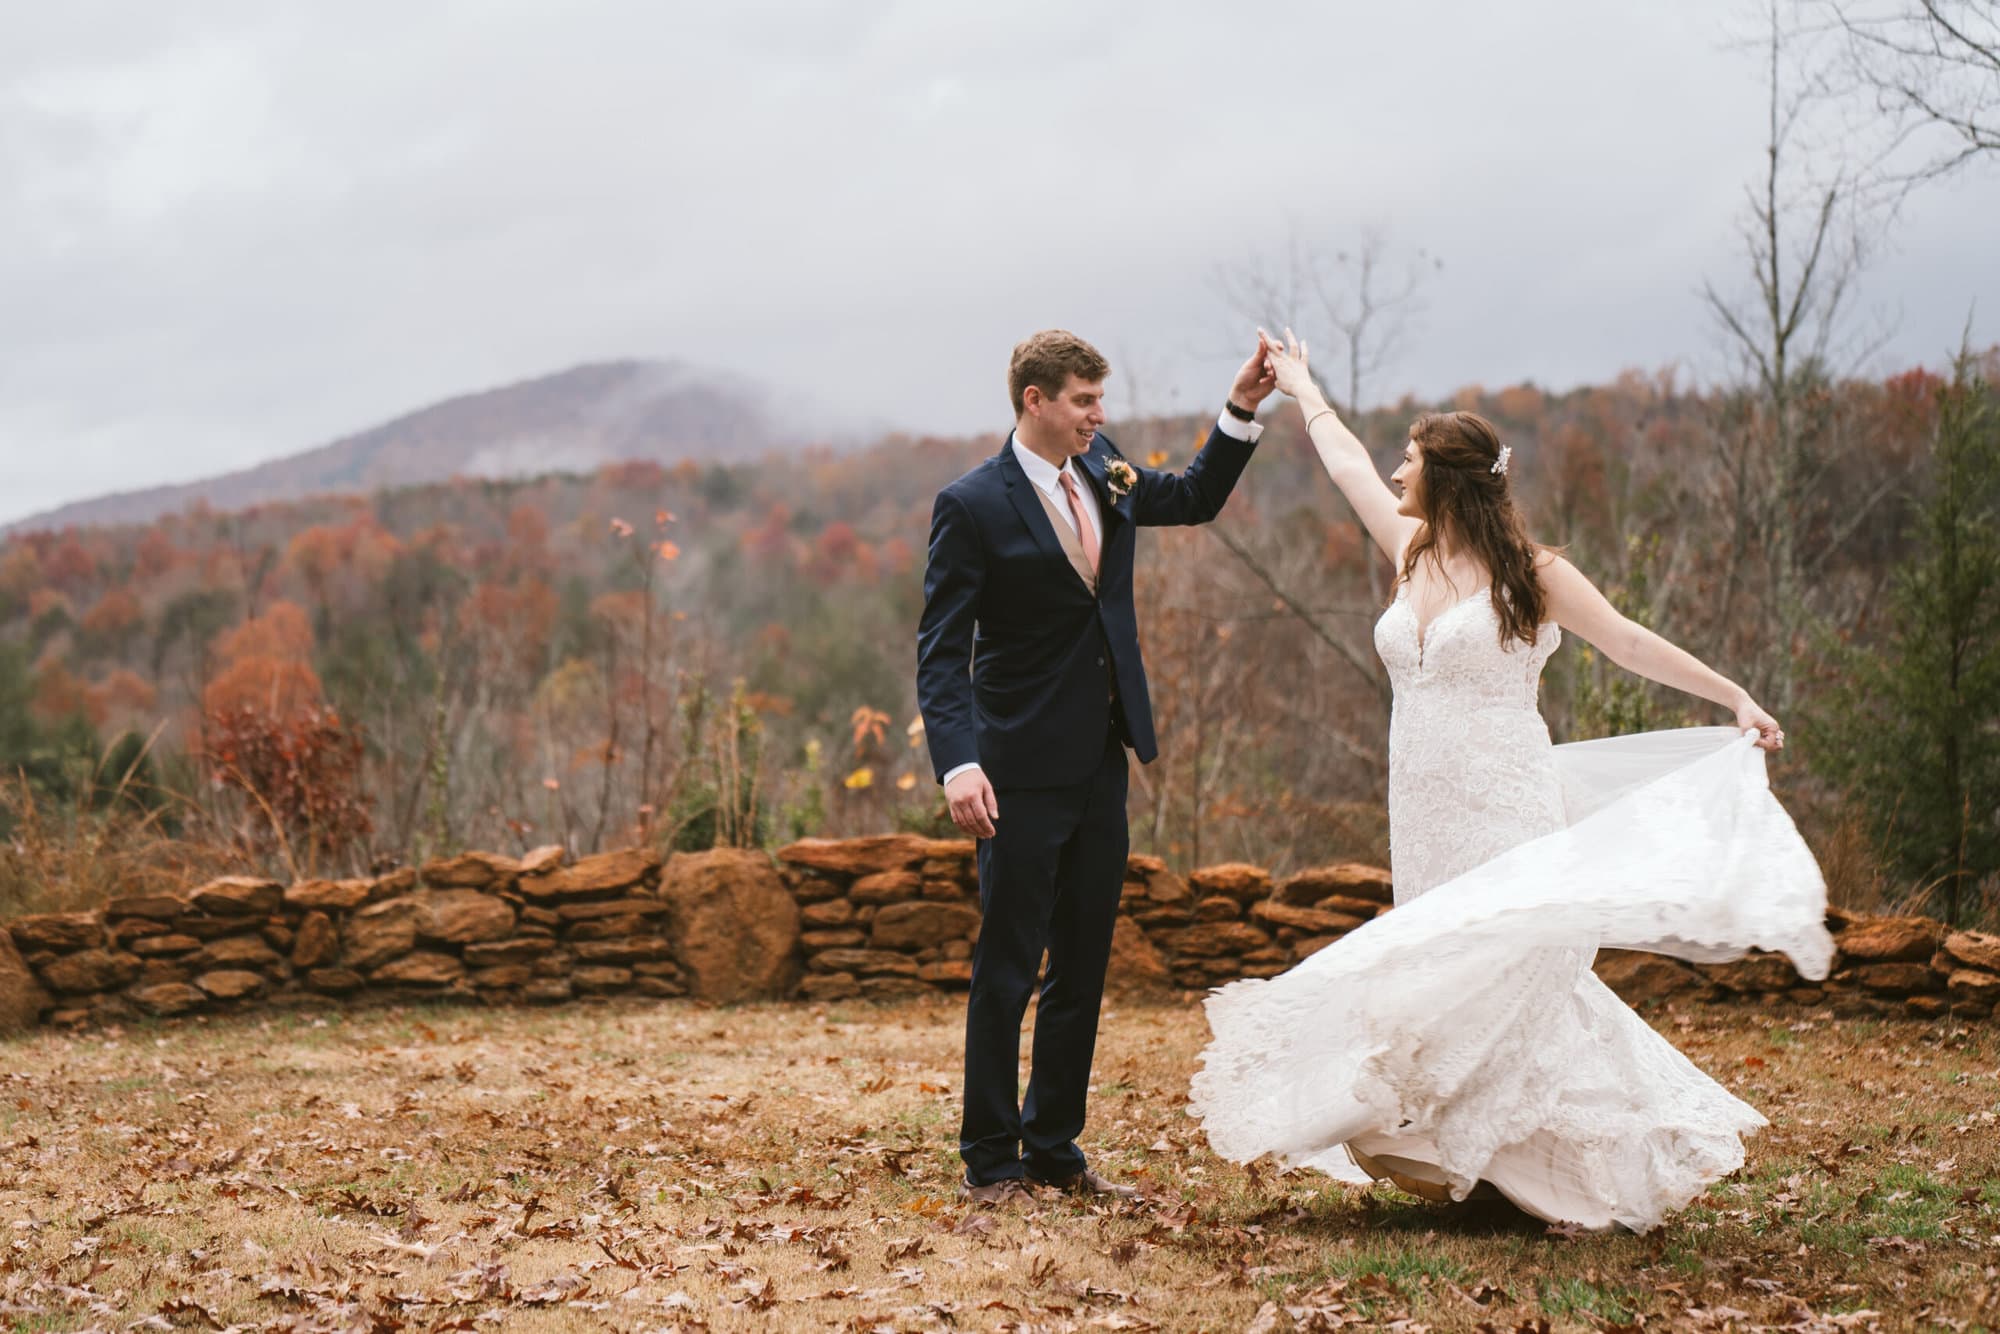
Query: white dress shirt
[1047,478]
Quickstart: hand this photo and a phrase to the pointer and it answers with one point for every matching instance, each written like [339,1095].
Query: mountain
[575,420]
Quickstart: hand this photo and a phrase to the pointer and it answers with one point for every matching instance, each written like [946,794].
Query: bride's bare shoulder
[1551,561]
[1565,588]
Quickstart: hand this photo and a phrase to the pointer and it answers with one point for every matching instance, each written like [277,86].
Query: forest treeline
[711,654]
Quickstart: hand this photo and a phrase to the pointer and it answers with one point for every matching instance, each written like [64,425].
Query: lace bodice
[1471,771]
[1456,661]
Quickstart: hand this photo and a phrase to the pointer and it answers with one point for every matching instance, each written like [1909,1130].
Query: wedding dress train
[1462,1037]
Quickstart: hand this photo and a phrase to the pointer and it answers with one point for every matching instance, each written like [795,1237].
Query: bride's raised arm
[1341,452]
[1575,604]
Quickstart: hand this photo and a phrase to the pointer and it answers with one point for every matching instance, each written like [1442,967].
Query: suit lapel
[1021,493]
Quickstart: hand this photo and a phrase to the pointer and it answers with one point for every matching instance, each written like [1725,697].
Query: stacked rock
[826,919]
[890,915]
[898,914]
[1970,965]
[591,929]
[1890,957]
[1885,965]
[473,926]
[1228,921]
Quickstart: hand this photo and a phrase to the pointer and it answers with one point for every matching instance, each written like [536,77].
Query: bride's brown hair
[1464,499]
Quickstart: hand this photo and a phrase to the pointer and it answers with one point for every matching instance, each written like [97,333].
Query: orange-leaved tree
[273,742]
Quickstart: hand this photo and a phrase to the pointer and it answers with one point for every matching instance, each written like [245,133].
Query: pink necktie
[1083,528]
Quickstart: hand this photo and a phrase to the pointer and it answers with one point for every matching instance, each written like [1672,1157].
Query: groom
[1031,687]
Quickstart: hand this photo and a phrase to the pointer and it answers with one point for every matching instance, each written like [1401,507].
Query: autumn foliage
[269,737]
[629,654]
[300,776]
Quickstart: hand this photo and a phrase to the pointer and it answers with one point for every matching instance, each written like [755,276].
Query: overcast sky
[232,231]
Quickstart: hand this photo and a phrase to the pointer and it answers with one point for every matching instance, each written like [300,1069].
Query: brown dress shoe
[1002,1194]
[1088,1182]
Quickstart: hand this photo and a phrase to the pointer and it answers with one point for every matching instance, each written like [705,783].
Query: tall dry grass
[115,836]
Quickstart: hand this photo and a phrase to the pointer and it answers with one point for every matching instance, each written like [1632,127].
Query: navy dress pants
[1049,878]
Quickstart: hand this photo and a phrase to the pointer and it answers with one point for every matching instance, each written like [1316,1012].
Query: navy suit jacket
[1016,660]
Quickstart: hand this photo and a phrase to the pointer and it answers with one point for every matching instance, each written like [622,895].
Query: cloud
[234,231]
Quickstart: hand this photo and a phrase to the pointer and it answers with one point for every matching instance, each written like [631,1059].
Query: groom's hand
[1255,379]
[974,808]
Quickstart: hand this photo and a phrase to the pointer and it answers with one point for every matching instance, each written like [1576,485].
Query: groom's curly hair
[1046,360]
[1464,500]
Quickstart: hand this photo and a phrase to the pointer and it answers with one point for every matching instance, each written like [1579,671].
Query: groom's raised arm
[1196,495]
[952,581]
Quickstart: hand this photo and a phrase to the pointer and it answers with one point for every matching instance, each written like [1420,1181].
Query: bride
[1462,1041]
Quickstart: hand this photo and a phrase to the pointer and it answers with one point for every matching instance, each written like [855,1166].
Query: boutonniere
[1118,474]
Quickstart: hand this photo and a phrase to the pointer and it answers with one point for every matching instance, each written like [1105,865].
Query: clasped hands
[1287,363]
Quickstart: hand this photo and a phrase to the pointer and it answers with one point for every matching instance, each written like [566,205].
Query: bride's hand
[1287,361]
[1769,735]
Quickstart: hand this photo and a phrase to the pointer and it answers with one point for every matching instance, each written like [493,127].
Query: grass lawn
[668,1165]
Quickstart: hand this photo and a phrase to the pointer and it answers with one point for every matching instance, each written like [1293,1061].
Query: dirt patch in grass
[661,1166]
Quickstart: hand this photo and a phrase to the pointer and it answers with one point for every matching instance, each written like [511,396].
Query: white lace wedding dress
[1462,1037]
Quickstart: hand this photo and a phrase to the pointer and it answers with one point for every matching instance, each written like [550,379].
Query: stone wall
[898,914]
[1885,965]
[820,919]
[476,927]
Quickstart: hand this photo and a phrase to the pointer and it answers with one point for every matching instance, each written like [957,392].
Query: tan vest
[1072,545]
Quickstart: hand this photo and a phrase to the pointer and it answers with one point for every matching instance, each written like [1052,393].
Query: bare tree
[1279,581]
[1803,234]
[1932,66]
[1363,294]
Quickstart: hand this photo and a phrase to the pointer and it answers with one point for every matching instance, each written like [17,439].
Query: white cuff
[1238,429]
[958,769]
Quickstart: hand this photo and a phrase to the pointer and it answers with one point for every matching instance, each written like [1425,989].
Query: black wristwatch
[1241,414]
